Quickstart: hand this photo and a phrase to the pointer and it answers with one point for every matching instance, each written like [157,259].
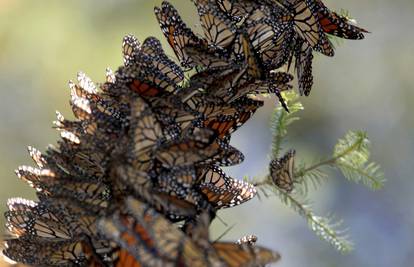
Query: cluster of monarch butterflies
[136,178]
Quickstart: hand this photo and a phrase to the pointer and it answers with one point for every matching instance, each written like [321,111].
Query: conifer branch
[314,177]
[352,153]
[281,120]
[350,156]
[324,227]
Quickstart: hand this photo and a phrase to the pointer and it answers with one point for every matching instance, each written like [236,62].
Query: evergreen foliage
[351,156]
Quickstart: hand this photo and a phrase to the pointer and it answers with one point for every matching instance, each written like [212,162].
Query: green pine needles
[350,156]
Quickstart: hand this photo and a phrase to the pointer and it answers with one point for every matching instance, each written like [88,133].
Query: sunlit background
[367,86]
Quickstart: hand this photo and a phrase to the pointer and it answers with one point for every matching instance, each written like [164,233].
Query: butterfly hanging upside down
[282,171]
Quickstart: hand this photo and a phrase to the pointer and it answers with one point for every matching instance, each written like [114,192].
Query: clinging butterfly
[223,191]
[176,31]
[303,65]
[281,171]
[335,24]
[307,26]
[217,27]
[145,238]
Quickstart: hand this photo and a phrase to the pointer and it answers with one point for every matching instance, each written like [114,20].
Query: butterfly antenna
[222,221]
[224,233]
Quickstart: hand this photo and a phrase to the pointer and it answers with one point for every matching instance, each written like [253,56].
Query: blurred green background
[367,85]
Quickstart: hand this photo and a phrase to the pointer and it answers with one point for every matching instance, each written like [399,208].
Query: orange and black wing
[307,26]
[223,191]
[178,34]
[282,171]
[335,24]
[130,49]
[303,67]
[218,28]
[235,255]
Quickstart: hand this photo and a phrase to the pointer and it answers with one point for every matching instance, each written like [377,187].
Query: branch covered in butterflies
[146,148]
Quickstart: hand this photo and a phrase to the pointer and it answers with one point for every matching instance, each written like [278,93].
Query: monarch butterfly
[275,83]
[146,134]
[189,150]
[255,68]
[208,57]
[148,82]
[262,32]
[237,10]
[175,121]
[87,193]
[35,177]
[282,171]
[47,182]
[217,27]
[92,109]
[146,238]
[37,157]
[176,181]
[83,161]
[153,73]
[223,125]
[228,156]
[140,185]
[176,32]
[28,218]
[81,108]
[223,191]
[152,52]
[192,51]
[47,221]
[219,83]
[261,29]
[303,65]
[307,25]
[246,108]
[48,236]
[270,40]
[199,150]
[337,25]
[231,254]
[267,25]
[130,48]
[221,118]
[210,108]
[233,116]
[98,104]
[43,252]
[83,97]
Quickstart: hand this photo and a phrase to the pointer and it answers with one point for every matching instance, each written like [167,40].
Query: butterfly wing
[217,27]
[335,24]
[150,238]
[130,48]
[235,255]
[303,66]
[223,191]
[281,171]
[178,34]
[307,26]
